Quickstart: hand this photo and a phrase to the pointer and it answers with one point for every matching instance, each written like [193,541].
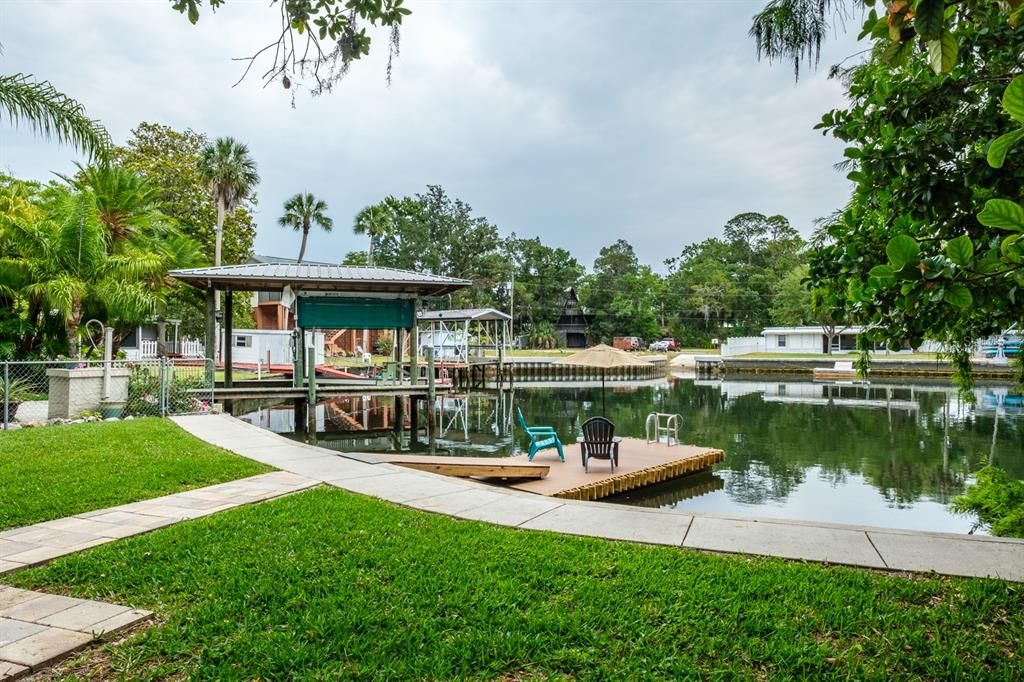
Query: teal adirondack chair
[541,437]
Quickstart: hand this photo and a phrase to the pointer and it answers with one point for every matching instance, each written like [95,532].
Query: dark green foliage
[998,500]
[169,160]
[923,250]
[329,585]
[737,285]
[432,232]
[58,471]
[622,295]
[183,394]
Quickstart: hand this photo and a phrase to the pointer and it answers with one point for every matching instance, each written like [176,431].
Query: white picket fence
[187,348]
[741,345]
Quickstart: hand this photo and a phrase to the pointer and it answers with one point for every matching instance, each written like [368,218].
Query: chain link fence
[42,391]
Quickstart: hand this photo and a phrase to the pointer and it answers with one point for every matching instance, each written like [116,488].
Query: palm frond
[52,114]
[794,30]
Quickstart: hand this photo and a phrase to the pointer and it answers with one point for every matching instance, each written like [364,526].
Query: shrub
[998,500]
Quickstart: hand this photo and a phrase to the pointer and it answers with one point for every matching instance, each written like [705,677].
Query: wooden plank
[480,470]
[464,467]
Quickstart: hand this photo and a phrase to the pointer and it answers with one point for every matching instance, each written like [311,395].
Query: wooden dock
[640,464]
[471,467]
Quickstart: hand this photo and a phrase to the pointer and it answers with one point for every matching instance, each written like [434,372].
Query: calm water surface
[888,454]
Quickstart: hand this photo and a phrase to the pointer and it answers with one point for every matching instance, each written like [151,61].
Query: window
[242,341]
[782,340]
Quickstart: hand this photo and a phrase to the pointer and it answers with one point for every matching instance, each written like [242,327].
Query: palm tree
[125,201]
[375,221]
[51,114]
[63,262]
[303,211]
[231,175]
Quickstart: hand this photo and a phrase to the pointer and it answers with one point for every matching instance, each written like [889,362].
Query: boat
[842,370]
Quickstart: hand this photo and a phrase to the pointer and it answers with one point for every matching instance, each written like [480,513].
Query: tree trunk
[72,328]
[218,238]
[369,254]
[302,249]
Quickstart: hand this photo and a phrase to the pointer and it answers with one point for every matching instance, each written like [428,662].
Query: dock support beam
[414,344]
[299,372]
[211,336]
[431,398]
[229,342]
[311,394]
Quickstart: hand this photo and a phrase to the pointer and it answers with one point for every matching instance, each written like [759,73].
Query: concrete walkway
[949,554]
[37,629]
[29,545]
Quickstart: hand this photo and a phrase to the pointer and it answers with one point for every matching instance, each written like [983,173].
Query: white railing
[147,349]
[191,348]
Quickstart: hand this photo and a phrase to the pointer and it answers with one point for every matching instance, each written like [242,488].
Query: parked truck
[626,342]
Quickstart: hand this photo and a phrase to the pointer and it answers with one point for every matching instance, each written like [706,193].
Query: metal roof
[313,277]
[470,314]
[281,260]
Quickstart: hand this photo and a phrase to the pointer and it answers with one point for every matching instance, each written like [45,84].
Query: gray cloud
[577,122]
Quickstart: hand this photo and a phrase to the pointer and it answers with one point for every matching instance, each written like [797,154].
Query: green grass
[329,585]
[56,471]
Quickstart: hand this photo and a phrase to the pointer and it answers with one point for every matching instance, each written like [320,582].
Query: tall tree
[301,213]
[374,221]
[230,172]
[622,295]
[543,276]
[169,160]
[51,114]
[434,233]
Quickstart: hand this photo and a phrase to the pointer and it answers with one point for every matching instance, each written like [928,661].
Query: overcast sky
[578,122]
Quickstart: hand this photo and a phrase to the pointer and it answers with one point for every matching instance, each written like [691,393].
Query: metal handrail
[662,423]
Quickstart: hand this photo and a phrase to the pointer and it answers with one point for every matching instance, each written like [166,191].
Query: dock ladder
[662,424]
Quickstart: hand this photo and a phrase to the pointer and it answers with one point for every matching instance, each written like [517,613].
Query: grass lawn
[55,471]
[329,585]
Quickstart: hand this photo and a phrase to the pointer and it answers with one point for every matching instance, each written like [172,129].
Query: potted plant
[12,395]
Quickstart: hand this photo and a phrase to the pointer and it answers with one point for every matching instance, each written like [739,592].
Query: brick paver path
[38,629]
[29,545]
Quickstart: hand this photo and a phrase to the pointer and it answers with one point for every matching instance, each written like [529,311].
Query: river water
[888,454]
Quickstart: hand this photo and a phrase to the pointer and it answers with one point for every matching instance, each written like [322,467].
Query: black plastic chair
[599,442]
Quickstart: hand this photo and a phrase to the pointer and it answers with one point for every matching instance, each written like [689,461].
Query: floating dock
[640,464]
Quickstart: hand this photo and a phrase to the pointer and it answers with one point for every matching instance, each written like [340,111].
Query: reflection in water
[889,455]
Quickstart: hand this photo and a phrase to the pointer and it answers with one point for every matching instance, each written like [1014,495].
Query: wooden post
[501,351]
[229,342]
[431,396]
[211,336]
[399,340]
[311,394]
[414,344]
[299,410]
[298,371]
[414,414]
